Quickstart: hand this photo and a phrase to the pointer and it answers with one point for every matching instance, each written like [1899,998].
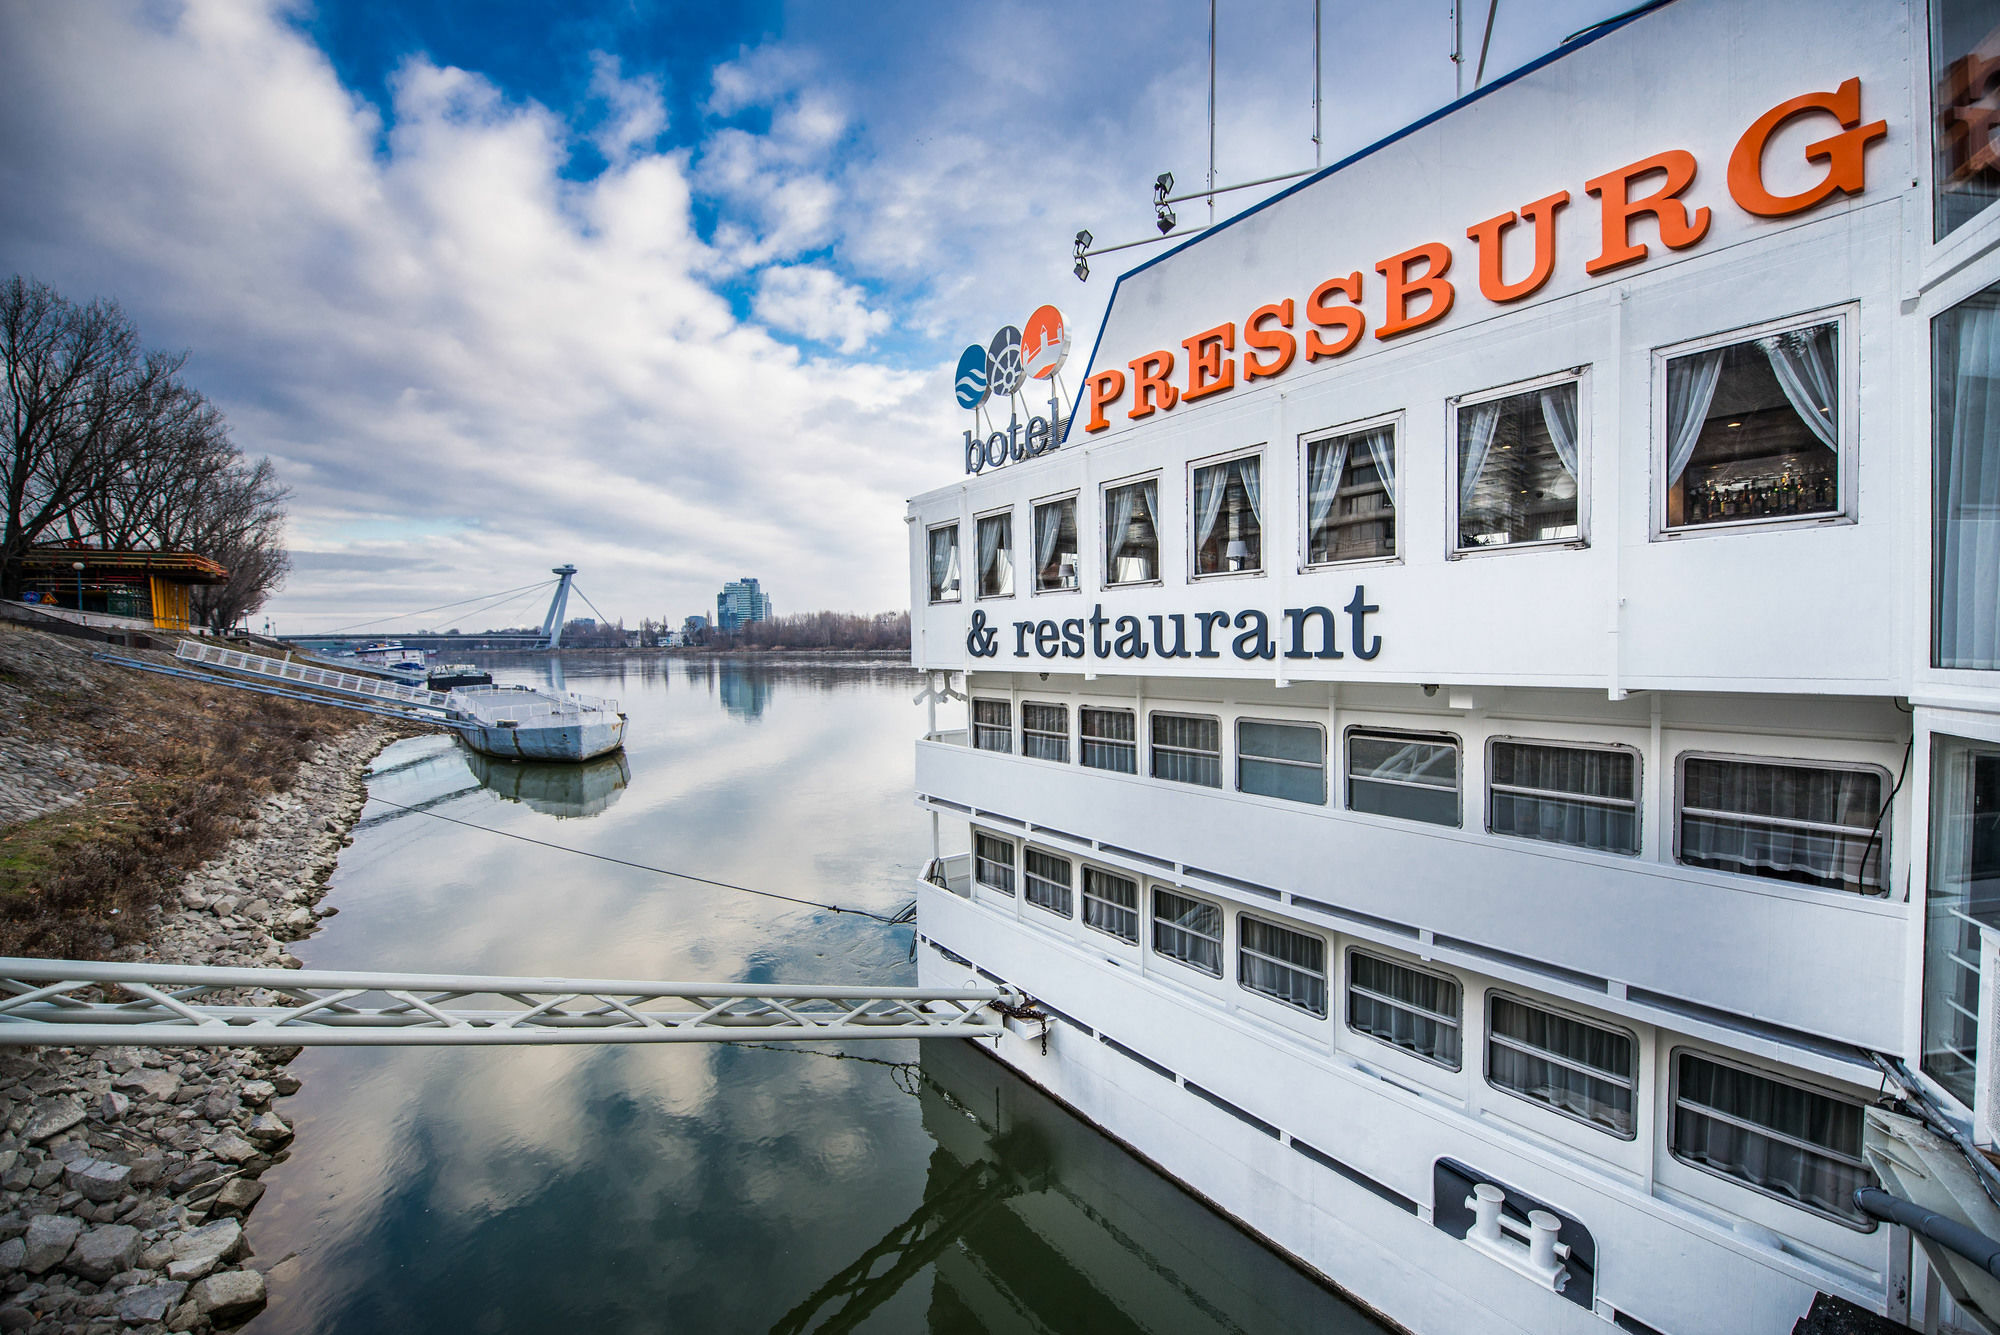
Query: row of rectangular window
[1786,1140]
[1810,824]
[1751,432]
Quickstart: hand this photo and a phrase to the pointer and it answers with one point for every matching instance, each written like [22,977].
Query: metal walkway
[72,1003]
[373,689]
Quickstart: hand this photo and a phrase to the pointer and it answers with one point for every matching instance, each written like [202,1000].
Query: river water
[697,1187]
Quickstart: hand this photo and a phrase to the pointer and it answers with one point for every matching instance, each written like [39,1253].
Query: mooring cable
[900,919]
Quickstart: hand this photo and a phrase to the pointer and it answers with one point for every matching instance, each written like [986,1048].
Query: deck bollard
[1485,1203]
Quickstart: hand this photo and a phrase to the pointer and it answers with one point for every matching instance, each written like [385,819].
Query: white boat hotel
[1485,733]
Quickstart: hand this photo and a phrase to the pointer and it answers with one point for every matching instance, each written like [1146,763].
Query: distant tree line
[820,630]
[103,443]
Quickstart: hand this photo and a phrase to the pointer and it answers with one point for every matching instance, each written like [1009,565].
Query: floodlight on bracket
[1082,266]
[1163,215]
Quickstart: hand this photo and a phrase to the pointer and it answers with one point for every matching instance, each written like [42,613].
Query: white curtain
[1475,438]
[944,551]
[1604,1099]
[1048,528]
[1210,484]
[1118,506]
[1559,416]
[1382,449]
[1968,486]
[1818,1179]
[1805,363]
[996,573]
[1247,474]
[1325,465]
[1691,383]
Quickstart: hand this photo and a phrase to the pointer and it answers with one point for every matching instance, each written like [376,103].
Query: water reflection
[689,1187]
[562,791]
[745,691]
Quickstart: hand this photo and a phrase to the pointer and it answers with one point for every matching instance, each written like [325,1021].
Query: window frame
[973,725]
[1324,790]
[1221,938]
[1073,496]
[1457,1022]
[1138,909]
[1489,1037]
[1586,437]
[1327,956]
[1674,1055]
[1152,746]
[1847,456]
[1263,565]
[1306,440]
[1347,773]
[1005,512]
[1068,913]
[1133,713]
[1027,732]
[1104,490]
[1638,792]
[958,546]
[1012,889]
[1886,821]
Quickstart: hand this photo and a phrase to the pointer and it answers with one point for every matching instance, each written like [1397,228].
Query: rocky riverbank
[127,1175]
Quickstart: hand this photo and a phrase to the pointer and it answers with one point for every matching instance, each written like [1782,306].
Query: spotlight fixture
[1082,266]
[1163,216]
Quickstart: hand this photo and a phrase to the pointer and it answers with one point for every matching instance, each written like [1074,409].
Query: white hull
[573,741]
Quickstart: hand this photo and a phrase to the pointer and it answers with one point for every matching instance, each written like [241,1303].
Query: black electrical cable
[898,920]
[1875,832]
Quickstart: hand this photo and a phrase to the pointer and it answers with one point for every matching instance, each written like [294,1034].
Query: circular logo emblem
[1003,360]
[1045,343]
[972,386]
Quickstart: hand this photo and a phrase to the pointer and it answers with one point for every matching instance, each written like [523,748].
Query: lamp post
[77,566]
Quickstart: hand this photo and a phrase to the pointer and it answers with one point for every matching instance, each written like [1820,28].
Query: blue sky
[669,290]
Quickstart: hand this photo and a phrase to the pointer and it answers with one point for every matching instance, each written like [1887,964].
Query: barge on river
[1485,731]
[520,723]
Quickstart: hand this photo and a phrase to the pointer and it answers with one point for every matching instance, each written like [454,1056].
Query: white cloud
[635,113]
[814,302]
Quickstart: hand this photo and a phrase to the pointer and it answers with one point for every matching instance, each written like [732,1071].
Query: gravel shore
[127,1175]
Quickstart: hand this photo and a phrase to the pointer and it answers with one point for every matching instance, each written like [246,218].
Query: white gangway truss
[73,1003]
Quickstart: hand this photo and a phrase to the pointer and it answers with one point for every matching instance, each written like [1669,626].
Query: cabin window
[1965,43]
[1407,1008]
[1408,776]
[1285,760]
[1351,496]
[1782,1139]
[1584,796]
[1187,930]
[1132,533]
[1518,462]
[1055,545]
[1752,429]
[1045,731]
[1815,825]
[1228,517]
[944,564]
[1047,881]
[1187,748]
[992,725]
[993,862]
[1579,1069]
[1964,869]
[1965,480]
[1281,963]
[996,556]
[1111,904]
[1109,739]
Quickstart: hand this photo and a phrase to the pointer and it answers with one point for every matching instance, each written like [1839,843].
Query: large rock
[12,1253]
[97,1179]
[236,1199]
[160,1086]
[229,1296]
[48,1240]
[219,1241]
[51,1118]
[231,1146]
[267,1128]
[103,1252]
[151,1303]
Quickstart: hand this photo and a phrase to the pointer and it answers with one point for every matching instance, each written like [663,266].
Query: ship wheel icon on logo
[1005,370]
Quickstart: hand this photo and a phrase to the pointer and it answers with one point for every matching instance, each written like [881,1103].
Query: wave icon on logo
[973,386]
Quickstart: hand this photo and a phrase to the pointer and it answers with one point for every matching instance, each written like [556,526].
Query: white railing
[519,704]
[302,674]
[74,1003]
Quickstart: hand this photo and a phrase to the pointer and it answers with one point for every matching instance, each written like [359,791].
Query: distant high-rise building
[741,603]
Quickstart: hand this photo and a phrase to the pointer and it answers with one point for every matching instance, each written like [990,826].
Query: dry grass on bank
[163,771]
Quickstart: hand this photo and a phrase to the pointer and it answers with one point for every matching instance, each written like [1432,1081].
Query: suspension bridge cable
[602,619]
[897,920]
[398,616]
